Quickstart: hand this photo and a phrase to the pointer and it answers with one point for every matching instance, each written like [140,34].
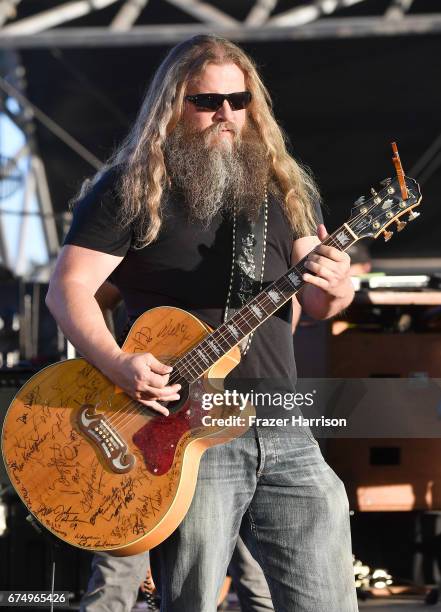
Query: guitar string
[195,364]
[121,421]
[125,419]
[198,363]
[221,337]
[331,240]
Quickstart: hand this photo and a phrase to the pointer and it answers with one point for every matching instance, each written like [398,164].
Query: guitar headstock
[371,216]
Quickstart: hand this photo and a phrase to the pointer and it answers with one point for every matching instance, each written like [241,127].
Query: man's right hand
[144,378]
[78,275]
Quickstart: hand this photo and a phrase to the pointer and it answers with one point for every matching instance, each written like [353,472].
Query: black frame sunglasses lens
[213,102]
[239,101]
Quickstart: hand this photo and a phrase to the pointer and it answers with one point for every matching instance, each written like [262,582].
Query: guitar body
[101,471]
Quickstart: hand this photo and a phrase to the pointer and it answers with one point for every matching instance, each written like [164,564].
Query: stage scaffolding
[316,19]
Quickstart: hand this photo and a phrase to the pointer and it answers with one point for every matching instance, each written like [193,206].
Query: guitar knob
[413,215]
[387,235]
[400,225]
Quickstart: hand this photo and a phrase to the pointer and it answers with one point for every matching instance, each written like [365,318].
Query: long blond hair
[144,176]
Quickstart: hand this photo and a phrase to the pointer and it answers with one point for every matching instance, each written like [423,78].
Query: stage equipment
[28,332]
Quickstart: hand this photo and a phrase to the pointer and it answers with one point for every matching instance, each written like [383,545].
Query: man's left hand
[330,267]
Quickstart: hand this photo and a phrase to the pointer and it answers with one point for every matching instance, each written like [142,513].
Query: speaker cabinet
[387,474]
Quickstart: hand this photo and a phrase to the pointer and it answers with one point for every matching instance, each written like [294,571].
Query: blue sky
[11,139]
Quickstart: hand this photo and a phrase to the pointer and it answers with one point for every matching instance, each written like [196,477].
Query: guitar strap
[248,262]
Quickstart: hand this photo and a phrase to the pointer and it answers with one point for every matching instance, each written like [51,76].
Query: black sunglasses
[213,101]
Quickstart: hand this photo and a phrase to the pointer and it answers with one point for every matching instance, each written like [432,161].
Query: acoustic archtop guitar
[101,471]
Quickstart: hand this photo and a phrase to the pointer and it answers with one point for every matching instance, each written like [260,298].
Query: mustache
[222,126]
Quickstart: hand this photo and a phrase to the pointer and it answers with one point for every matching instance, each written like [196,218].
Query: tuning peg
[373,192]
[413,215]
[385,182]
[400,225]
[387,235]
[360,201]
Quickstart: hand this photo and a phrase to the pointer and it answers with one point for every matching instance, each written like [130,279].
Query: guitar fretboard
[200,358]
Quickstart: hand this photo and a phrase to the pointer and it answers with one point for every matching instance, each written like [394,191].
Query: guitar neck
[229,334]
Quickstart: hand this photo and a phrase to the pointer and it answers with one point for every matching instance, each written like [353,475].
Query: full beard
[216,174]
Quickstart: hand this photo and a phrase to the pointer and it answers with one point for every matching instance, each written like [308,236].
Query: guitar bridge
[113,449]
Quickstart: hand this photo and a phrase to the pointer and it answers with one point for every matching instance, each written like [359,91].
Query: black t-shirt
[189,266]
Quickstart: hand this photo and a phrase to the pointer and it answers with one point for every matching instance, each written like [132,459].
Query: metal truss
[35,180]
[318,19]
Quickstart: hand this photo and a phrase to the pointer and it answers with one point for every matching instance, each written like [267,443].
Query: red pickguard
[158,439]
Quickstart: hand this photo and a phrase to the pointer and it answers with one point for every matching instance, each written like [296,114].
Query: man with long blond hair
[206,156]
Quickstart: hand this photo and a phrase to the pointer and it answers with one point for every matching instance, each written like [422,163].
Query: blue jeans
[292,513]
[114,583]
[249,581]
